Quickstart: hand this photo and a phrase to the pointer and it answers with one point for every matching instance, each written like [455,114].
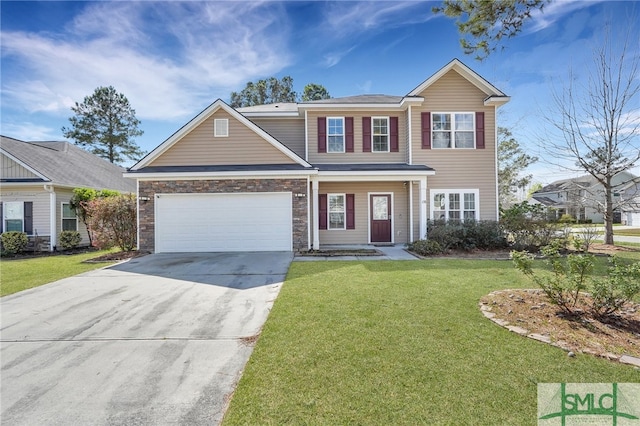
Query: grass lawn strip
[21,274]
[400,343]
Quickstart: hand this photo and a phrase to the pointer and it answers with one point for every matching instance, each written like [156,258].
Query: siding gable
[13,170]
[242,146]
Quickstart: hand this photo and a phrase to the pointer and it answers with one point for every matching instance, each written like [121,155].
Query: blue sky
[172,59]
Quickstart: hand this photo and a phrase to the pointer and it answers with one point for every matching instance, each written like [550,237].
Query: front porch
[368,204]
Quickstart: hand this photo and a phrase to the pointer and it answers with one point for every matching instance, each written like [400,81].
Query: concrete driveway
[161,339]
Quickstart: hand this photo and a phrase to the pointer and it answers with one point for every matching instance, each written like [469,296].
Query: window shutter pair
[393,134]
[426,130]
[323,211]
[322,134]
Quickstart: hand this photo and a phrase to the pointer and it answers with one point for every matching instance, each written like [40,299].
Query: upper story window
[335,134]
[453,130]
[380,132]
[221,127]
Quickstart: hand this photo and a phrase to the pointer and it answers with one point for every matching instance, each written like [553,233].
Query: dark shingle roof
[372,167]
[360,99]
[63,163]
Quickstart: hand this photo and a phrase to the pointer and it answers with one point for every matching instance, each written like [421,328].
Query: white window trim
[344,136]
[62,218]
[388,134]
[452,132]
[446,193]
[4,213]
[217,128]
[344,197]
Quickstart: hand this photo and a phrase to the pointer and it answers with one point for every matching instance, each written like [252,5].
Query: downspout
[52,216]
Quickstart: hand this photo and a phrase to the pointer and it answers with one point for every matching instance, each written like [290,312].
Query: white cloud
[28,131]
[168,58]
[554,11]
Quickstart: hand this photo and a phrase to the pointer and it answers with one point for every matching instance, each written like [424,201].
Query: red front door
[380,218]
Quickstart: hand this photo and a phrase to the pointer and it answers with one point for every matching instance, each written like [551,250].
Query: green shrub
[571,275]
[425,247]
[566,218]
[69,239]
[467,235]
[14,242]
[527,227]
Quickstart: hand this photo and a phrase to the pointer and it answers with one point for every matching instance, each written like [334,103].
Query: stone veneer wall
[150,188]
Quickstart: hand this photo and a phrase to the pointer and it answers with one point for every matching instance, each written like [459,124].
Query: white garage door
[633,219]
[223,222]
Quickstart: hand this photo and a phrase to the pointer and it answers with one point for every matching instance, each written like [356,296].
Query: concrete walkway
[395,252]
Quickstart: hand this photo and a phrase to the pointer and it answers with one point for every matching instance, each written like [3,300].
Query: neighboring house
[37,182]
[583,197]
[368,169]
[630,198]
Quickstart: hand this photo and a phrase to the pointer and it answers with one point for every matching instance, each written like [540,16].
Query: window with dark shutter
[393,134]
[322,211]
[479,130]
[426,130]
[366,134]
[348,124]
[322,134]
[351,211]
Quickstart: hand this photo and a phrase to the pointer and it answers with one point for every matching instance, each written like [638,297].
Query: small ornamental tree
[112,220]
[82,196]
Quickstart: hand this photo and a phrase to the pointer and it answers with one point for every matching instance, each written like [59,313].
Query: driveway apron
[161,339]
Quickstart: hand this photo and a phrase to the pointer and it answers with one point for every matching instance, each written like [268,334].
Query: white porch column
[410,209]
[423,208]
[53,241]
[316,205]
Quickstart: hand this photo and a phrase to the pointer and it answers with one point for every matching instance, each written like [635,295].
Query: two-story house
[368,169]
[583,197]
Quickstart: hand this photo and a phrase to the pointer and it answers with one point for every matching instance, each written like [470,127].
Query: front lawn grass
[402,343]
[21,274]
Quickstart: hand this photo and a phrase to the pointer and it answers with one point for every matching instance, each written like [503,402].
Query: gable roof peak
[473,77]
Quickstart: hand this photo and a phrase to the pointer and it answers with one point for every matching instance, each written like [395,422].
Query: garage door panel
[223,222]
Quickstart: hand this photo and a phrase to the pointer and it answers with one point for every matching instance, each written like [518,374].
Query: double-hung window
[455,205]
[335,134]
[380,132]
[337,211]
[13,216]
[69,218]
[453,130]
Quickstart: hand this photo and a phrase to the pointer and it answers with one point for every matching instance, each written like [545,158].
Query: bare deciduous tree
[599,121]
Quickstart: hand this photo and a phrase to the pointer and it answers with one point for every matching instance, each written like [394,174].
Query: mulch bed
[341,252]
[118,256]
[531,310]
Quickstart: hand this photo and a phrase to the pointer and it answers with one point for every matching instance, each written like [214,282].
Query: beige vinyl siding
[289,131]
[361,190]
[459,168]
[357,156]
[13,170]
[64,196]
[40,199]
[242,146]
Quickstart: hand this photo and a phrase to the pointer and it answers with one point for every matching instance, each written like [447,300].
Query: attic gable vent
[221,127]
